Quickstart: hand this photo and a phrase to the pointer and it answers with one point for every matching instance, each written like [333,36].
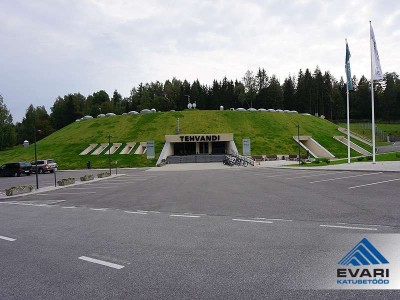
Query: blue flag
[348,71]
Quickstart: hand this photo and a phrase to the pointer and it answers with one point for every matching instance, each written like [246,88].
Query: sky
[51,48]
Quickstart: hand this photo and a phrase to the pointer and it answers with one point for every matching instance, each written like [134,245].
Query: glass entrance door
[219,148]
[203,148]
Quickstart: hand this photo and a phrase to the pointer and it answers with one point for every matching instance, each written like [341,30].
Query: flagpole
[348,127]
[348,117]
[372,98]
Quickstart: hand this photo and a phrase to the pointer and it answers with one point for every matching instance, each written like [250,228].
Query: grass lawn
[392,129]
[270,133]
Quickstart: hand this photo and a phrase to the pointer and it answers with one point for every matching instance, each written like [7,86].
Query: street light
[298,139]
[36,171]
[109,152]
[190,105]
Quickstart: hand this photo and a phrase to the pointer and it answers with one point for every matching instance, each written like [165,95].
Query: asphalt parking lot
[232,233]
[46,179]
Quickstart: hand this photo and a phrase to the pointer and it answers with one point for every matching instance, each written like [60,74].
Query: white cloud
[52,48]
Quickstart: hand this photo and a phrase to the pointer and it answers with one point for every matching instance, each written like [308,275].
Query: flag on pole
[348,71]
[376,63]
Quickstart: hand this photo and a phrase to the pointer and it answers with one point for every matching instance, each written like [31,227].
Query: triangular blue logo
[363,254]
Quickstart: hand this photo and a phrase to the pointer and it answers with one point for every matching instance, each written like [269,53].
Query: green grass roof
[270,133]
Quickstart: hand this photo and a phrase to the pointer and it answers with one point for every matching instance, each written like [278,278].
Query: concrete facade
[195,144]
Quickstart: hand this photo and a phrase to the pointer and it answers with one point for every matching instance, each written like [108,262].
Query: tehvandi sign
[200,138]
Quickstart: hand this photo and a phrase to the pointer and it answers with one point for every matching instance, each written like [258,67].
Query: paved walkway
[391,148]
[390,166]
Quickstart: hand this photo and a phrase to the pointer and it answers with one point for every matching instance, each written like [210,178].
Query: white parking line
[320,174]
[332,179]
[103,209]
[7,238]
[274,219]
[368,225]
[81,193]
[92,186]
[141,176]
[125,181]
[253,221]
[68,206]
[136,212]
[129,179]
[348,227]
[280,175]
[101,262]
[374,183]
[106,183]
[185,216]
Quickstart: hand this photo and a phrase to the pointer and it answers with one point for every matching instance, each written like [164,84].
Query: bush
[18,190]
[66,181]
[369,157]
[322,160]
[87,177]
[102,175]
[361,158]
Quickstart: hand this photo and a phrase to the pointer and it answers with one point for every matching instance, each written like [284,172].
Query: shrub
[369,157]
[19,190]
[102,175]
[87,177]
[322,160]
[361,158]
[66,181]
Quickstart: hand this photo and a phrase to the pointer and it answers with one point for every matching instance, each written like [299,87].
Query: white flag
[376,63]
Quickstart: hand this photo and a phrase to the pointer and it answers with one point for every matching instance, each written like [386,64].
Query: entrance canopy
[197,144]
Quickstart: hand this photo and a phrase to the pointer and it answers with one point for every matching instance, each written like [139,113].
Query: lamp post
[36,171]
[298,139]
[190,105]
[109,152]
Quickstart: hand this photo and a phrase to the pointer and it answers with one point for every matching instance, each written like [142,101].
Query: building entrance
[203,148]
[185,148]
[219,148]
[200,148]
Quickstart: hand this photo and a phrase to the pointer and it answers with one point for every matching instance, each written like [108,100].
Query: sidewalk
[388,166]
[381,166]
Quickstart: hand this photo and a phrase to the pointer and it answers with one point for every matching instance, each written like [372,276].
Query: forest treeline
[316,93]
